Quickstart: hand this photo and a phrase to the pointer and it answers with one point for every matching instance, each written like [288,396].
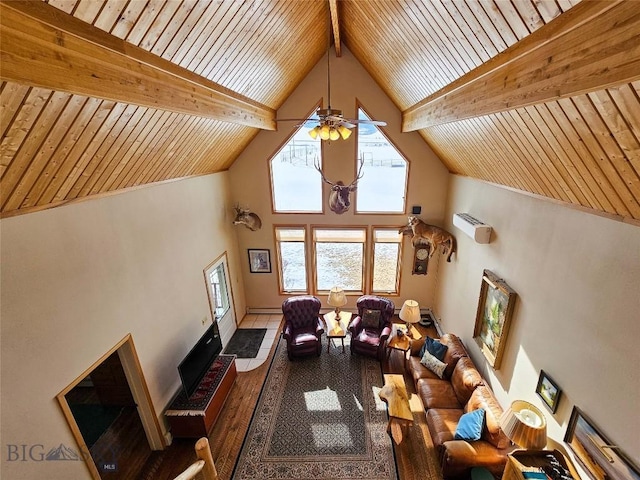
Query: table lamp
[337,299]
[525,425]
[410,313]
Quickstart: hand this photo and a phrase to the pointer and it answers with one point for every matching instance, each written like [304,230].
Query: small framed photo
[600,457]
[548,391]
[259,261]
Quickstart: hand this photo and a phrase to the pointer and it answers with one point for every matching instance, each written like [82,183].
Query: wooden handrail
[204,465]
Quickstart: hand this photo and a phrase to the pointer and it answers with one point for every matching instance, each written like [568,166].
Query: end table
[336,327]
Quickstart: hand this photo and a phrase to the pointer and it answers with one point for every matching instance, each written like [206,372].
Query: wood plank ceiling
[59,145]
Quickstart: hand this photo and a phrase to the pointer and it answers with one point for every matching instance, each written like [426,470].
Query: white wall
[77,279]
[251,186]
[577,276]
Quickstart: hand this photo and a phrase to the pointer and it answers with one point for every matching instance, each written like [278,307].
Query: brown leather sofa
[461,390]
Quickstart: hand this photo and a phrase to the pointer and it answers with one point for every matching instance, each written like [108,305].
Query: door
[220,297]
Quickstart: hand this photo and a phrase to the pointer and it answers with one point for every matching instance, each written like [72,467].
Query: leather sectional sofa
[461,390]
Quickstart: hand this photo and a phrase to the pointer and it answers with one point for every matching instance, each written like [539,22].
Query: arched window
[383,186]
[296,186]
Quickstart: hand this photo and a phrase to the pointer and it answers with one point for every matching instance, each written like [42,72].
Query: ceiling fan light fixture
[344,132]
[313,133]
[334,134]
[325,132]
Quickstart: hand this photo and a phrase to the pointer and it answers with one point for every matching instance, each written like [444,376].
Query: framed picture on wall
[549,391]
[495,308]
[599,456]
[259,261]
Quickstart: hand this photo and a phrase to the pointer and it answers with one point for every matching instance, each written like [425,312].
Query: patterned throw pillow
[433,364]
[371,319]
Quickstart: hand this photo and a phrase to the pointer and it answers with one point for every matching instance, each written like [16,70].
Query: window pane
[297,185]
[335,235]
[293,268]
[382,186]
[385,266]
[219,286]
[339,264]
[389,236]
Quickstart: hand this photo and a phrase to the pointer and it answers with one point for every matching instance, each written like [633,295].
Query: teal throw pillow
[371,319]
[434,347]
[470,426]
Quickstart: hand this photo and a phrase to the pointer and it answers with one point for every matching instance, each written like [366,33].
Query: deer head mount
[246,217]
[339,198]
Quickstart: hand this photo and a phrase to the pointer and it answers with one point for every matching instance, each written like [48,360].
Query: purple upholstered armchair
[303,327]
[371,328]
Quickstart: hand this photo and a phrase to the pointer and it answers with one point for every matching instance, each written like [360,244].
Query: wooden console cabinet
[194,417]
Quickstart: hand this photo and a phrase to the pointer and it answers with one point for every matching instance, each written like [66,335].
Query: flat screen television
[197,362]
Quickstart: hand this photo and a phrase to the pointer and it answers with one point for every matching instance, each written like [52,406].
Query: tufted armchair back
[365,339]
[301,311]
[371,302]
[303,327]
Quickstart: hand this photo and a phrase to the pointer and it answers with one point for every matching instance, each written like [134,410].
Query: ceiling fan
[330,122]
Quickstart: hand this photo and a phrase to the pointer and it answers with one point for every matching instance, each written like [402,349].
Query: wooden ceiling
[98,96]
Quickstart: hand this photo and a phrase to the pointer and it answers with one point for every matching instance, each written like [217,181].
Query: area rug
[319,418]
[245,342]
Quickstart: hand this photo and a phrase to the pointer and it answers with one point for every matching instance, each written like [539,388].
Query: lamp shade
[344,132]
[525,425]
[410,311]
[337,298]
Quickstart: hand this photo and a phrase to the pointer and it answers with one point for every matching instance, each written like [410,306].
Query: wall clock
[420,259]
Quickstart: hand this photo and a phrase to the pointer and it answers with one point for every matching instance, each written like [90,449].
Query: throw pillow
[470,426]
[371,319]
[433,364]
[434,347]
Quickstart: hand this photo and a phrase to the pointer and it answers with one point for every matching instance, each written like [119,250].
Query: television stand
[195,416]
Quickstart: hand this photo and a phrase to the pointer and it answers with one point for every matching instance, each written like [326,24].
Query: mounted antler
[246,217]
[339,201]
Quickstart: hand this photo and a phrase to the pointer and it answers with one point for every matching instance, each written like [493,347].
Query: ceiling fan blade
[347,123]
[368,122]
[293,119]
[374,122]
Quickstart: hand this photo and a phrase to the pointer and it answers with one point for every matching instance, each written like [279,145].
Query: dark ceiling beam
[592,46]
[45,47]
[335,26]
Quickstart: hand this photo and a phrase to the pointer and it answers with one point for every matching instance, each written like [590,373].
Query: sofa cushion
[455,351]
[436,393]
[442,423]
[470,426]
[433,364]
[483,397]
[434,347]
[465,379]
[418,370]
[371,319]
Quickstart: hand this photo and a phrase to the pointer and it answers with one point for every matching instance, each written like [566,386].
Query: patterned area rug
[319,418]
[245,342]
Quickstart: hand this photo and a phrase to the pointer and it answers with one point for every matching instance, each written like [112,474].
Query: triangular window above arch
[296,186]
[383,186]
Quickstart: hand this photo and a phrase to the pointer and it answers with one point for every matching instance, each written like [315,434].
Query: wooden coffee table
[336,327]
[394,394]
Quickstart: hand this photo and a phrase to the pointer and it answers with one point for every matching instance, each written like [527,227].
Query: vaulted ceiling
[98,96]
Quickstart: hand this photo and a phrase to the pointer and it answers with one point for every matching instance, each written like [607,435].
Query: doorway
[216,276]
[107,415]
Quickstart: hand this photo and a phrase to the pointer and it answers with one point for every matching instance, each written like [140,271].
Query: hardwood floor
[228,434]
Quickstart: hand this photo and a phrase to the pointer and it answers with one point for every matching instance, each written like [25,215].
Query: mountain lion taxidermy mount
[434,236]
